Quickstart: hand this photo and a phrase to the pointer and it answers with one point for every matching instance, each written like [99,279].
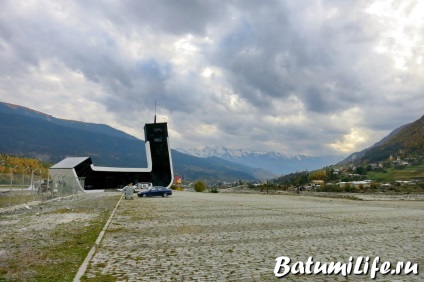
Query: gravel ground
[35,238]
[235,237]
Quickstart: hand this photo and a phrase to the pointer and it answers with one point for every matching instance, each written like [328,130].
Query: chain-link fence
[18,189]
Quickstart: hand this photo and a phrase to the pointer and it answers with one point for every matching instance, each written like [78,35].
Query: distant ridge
[275,162]
[30,133]
[407,140]
[91,127]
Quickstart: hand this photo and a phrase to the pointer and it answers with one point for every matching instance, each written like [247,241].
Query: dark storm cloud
[270,56]
[271,74]
[249,53]
[174,17]
[40,36]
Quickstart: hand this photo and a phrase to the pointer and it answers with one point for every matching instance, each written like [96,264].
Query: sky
[296,77]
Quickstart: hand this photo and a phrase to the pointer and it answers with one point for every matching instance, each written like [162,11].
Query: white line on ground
[90,254]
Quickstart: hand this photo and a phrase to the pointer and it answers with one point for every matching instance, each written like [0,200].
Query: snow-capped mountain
[274,162]
[220,152]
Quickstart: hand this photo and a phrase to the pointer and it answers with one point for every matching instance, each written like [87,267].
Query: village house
[357,184]
[317,182]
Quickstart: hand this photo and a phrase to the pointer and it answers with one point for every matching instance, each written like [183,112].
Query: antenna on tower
[155,111]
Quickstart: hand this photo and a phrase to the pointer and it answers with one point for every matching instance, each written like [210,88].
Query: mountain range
[275,162]
[25,132]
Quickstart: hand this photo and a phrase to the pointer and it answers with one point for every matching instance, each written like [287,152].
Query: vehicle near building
[143,185]
[155,191]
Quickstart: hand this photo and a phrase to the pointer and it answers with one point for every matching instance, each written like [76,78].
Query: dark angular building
[85,175]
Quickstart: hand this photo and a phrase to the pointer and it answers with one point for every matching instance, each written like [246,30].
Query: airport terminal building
[84,175]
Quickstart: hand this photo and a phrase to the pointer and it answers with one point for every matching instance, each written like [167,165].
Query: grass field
[49,241]
[407,173]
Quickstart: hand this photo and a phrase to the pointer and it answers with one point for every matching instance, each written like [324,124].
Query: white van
[143,185]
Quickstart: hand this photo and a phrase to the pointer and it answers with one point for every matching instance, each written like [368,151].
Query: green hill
[393,174]
[407,143]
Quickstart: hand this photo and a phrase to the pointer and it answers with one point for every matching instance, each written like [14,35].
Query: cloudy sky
[298,77]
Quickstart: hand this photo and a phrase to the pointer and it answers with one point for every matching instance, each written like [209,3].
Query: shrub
[329,188]
[374,186]
[213,190]
[351,188]
[199,186]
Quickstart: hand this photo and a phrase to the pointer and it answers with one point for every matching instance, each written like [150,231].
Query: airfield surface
[237,237]
[207,237]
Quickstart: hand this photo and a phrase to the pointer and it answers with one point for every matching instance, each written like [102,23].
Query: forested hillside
[28,133]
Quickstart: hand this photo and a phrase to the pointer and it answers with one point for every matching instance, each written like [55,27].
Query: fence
[17,189]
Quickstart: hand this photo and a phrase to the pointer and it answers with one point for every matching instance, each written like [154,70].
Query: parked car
[140,186]
[155,191]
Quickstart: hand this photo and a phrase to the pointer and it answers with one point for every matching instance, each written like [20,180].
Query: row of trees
[20,164]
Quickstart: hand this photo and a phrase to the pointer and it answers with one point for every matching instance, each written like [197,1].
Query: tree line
[19,165]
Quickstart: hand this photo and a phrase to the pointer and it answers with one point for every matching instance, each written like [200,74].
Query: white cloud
[314,77]
[355,138]
[401,24]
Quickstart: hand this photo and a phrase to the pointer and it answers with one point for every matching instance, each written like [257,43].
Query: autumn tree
[199,186]
[21,163]
[318,175]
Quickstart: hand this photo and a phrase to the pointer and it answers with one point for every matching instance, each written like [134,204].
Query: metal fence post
[11,184]
[23,184]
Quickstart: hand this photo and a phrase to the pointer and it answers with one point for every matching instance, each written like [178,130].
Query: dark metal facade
[160,172]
